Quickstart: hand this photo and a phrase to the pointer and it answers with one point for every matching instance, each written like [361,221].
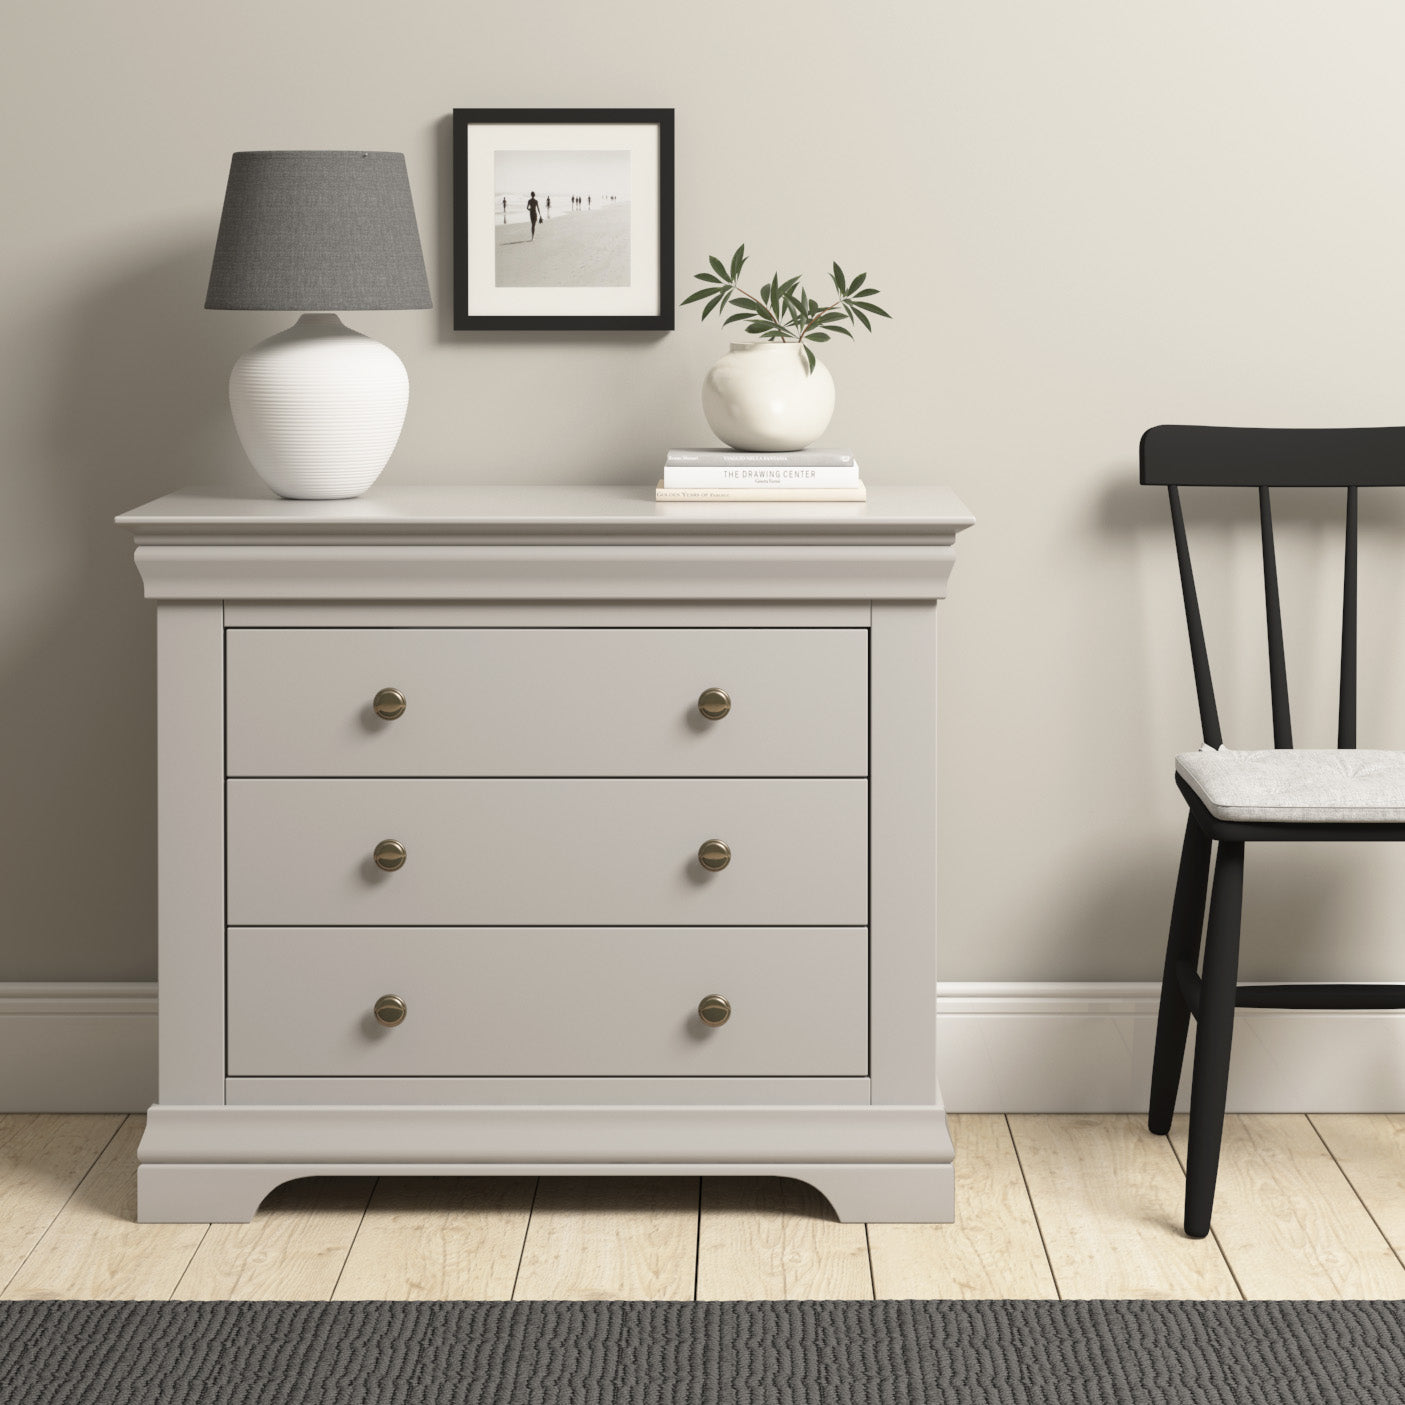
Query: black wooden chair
[1239,797]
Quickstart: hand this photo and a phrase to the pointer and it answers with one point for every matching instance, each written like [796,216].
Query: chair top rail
[1220,457]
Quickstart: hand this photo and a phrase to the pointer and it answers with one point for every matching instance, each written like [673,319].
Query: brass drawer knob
[390,1011]
[714,1010]
[388,704]
[714,704]
[714,855]
[390,854]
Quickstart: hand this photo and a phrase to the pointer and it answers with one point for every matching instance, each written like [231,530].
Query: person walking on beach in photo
[548,205]
[533,212]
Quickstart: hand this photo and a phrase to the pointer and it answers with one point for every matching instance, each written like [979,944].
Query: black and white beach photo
[561,219]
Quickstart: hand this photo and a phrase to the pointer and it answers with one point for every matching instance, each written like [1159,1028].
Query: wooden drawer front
[547,702]
[540,852]
[547,1001]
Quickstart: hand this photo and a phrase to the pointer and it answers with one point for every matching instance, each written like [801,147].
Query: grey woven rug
[828,1353]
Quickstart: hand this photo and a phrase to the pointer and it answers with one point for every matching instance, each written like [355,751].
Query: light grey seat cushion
[1325,787]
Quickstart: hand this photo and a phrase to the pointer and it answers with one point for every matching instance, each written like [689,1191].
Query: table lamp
[319,407]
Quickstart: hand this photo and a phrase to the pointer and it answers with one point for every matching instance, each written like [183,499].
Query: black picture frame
[466,319]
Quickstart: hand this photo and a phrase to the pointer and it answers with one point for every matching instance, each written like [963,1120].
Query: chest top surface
[609,513]
[538,543]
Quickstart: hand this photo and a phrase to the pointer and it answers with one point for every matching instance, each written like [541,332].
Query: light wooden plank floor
[1072,1207]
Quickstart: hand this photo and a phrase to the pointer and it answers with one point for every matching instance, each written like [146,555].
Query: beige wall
[1087,217]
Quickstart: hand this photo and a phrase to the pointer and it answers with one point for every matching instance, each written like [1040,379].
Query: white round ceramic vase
[319,408]
[762,397]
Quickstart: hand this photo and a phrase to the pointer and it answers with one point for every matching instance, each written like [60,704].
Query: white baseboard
[1005,1047]
[71,1046]
[1086,1047]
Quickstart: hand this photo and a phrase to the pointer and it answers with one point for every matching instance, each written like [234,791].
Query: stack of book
[727,475]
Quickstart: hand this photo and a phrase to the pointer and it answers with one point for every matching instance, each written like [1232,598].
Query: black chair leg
[1183,944]
[1214,1035]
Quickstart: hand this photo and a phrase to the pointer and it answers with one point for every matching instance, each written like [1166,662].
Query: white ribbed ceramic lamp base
[319,408]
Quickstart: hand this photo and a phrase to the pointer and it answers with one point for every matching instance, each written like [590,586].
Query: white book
[664,493]
[788,476]
[742,458]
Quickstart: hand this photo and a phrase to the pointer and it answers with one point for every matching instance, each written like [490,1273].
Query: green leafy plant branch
[784,311]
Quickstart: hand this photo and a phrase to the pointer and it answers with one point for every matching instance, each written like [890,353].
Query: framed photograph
[563,219]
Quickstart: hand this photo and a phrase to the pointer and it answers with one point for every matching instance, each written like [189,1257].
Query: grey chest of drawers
[546,831]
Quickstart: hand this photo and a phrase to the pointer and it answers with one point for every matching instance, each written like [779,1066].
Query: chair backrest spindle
[1346,705]
[1199,657]
[1277,668]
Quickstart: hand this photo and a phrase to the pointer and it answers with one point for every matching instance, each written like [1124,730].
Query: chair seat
[1319,787]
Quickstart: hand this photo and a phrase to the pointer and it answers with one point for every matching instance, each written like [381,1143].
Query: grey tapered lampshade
[318,231]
